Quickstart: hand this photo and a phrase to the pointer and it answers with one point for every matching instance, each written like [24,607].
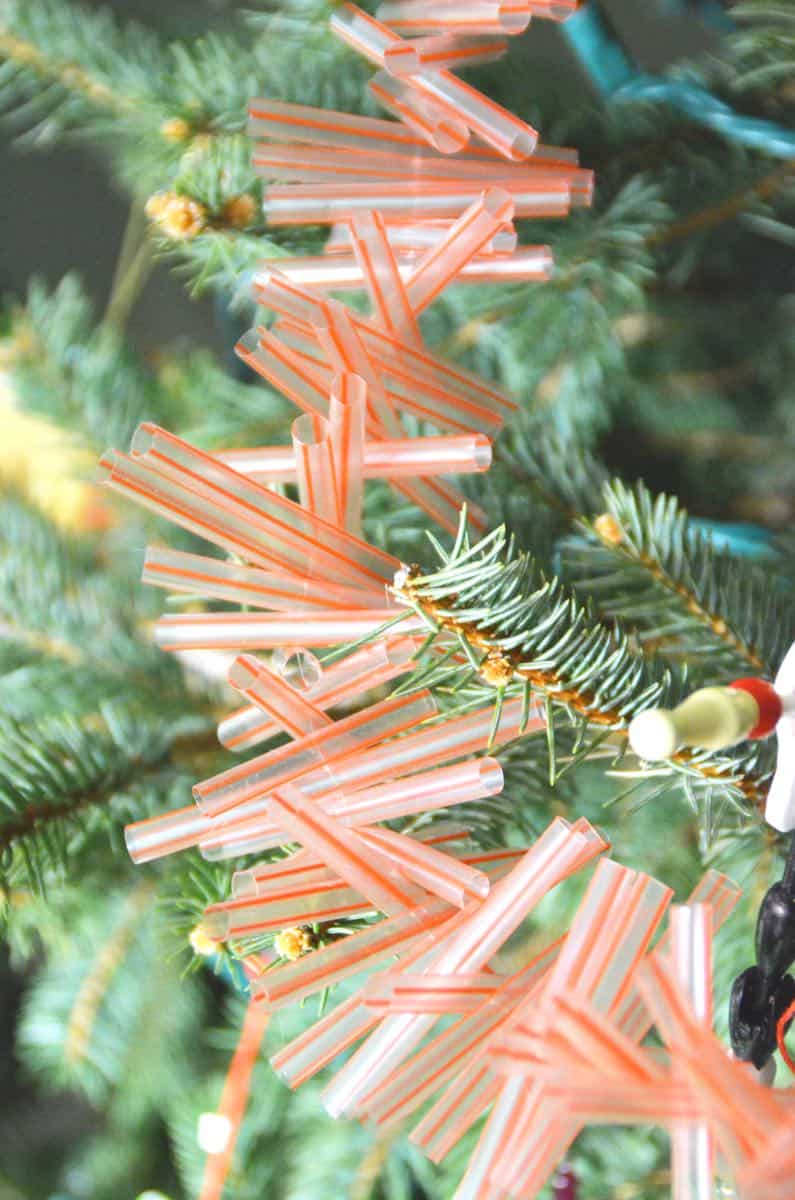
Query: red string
[781,1030]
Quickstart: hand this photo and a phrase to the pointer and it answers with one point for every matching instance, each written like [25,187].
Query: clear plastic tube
[380,272]
[341,272]
[693,1154]
[285,705]
[437,873]
[222,579]
[360,863]
[307,541]
[347,420]
[263,631]
[412,17]
[322,900]
[445,50]
[493,124]
[409,199]
[439,128]
[317,480]
[457,454]
[362,729]
[558,852]
[289,372]
[340,682]
[413,238]
[440,265]
[415,752]
[317,126]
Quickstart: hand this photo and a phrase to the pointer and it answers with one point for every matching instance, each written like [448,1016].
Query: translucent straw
[347,420]
[408,199]
[436,126]
[456,738]
[442,263]
[420,751]
[263,631]
[317,126]
[260,775]
[437,873]
[222,579]
[361,865]
[495,125]
[317,482]
[305,539]
[693,1161]
[391,304]
[340,682]
[415,238]
[284,705]
[406,58]
[341,272]
[320,900]
[471,17]
[556,854]
[296,870]
[302,163]
[285,369]
[459,454]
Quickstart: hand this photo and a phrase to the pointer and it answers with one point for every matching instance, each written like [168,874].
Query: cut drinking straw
[406,58]
[441,264]
[362,729]
[457,454]
[305,383]
[392,307]
[291,711]
[222,579]
[415,238]
[442,130]
[347,423]
[315,467]
[263,631]
[410,17]
[558,852]
[296,869]
[496,126]
[417,751]
[341,272]
[340,682]
[360,864]
[315,901]
[407,199]
[437,873]
[693,1154]
[234,1099]
[248,825]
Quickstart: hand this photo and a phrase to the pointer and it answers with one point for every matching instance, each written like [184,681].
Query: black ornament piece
[764,992]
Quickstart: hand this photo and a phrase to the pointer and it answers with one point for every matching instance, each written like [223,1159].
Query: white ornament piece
[213,1132]
[780,808]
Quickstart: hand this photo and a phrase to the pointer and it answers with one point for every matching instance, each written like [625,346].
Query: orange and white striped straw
[392,307]
[445,50]
[458,17]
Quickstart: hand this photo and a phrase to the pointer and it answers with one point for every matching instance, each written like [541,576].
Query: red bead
[768,702]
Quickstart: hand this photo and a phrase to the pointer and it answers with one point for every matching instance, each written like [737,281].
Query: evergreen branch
[528,628]
[641,562]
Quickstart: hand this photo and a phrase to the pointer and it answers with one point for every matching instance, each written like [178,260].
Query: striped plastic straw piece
[437,126]
[347,422]
[453,53]
[391,304]
[341,272]
[446,455]
[222,579]
[497,127]
[340,682]
[362,729]
[411,17]
[457,738]
[291,711]
[264,631]
[361,865]
[315,467]
[438,873]
[415,239]
[409,200]
[558,852]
